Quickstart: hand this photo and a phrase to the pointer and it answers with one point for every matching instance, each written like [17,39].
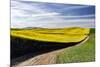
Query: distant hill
[92,30]
[45,28]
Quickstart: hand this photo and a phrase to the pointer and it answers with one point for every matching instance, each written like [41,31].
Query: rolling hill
[62,35]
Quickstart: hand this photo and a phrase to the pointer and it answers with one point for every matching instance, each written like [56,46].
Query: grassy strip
[80,53]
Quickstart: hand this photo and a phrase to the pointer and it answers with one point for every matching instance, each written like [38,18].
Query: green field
[64,35]
[80,53]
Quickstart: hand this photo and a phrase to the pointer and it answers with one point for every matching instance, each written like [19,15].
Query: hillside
[80,53]
[63,35]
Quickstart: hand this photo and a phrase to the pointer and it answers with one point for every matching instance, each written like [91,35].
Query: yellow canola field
[64,35]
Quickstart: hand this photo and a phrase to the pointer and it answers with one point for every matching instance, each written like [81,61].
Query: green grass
[80,53]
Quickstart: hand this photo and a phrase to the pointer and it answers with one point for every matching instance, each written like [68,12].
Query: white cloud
[46,14]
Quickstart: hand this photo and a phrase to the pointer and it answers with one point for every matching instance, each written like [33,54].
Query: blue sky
[51,15]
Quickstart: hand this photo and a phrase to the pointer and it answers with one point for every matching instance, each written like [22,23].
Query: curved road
[46,58]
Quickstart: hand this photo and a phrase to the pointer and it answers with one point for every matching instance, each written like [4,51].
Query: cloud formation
[49,15]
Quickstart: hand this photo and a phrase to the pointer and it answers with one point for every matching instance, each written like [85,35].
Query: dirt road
[46,58]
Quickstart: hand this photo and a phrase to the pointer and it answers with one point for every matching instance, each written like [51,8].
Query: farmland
[80,53]
[44,43]
[64,35]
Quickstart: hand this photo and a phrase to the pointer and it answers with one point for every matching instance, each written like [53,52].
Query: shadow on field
[32,48]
